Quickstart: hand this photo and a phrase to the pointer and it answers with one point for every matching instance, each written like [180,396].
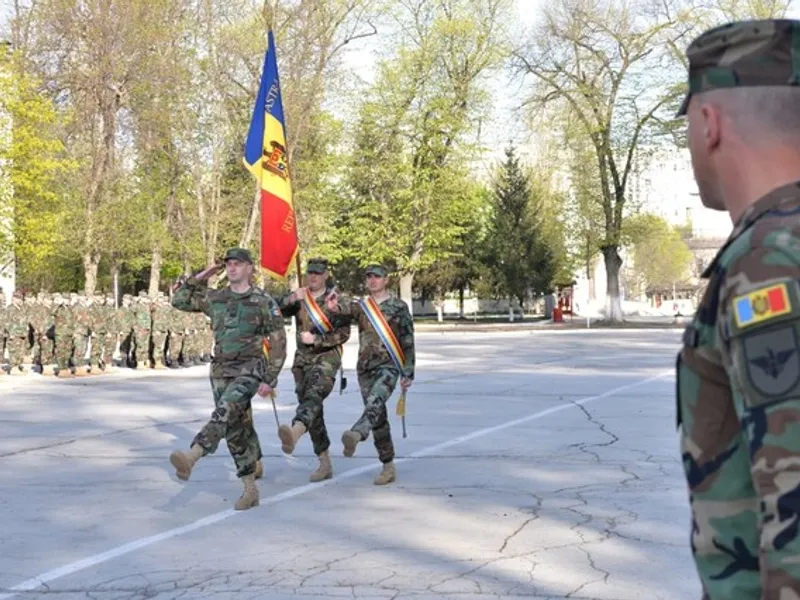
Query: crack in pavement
[584,446]
[524,524]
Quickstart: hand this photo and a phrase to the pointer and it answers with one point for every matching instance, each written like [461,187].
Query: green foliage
[661,257]
[33,202]
[412,193]
[520,251]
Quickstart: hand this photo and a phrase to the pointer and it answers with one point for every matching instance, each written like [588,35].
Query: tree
[91,55]
[462,269]
[33,206]
[604,60]
[410,173]
[519,258]
[661,258]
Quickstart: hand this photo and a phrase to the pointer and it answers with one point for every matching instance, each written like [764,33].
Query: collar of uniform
[778,196]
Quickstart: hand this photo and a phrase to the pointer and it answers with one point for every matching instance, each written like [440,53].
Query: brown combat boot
[324,470]
[290,435]
[185,461]
[249,497]
[387,475]
[259,470]
[350,440]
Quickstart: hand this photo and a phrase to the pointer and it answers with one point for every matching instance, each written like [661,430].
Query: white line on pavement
[91,561]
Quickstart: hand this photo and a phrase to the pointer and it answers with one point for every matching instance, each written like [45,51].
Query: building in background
[661,183]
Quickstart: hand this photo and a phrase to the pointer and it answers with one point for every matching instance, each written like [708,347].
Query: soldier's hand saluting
[210,272]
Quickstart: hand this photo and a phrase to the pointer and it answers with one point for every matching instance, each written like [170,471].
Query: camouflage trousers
[376,389]
[17,347]
[191,347]
[141,338]
[63,349]
[176,344]
[42,349]
[101,348]
[159,345]
[314,378]
[80,342]
[232,419]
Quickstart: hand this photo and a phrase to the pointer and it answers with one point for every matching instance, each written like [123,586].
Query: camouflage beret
[744,54]
[239,254]
[317,265]
[378,270]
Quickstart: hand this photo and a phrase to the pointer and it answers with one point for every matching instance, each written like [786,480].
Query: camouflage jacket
[739,407]
[142,316]
[161,317]
[40,319]
[99,318]
[241,323]
[17,320]
[324,343]
[372,354]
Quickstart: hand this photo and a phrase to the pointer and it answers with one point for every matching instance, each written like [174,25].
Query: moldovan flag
[266,158]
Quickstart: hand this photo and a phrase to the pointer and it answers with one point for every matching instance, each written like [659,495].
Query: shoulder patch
[761,305]
[772,364]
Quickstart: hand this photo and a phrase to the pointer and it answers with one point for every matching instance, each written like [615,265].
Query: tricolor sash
[385,333]
[323,325]
[321,322]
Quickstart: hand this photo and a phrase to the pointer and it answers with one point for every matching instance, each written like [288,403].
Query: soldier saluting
[242,316]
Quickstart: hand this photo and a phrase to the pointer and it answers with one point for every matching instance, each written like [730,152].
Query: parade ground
[538,463]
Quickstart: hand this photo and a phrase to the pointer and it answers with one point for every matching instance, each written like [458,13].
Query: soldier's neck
[379,296]
[240,288]
[316,292]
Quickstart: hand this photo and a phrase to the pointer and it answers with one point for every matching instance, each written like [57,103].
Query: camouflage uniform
[17,332]
[61,315]
[159,330]
[738,373]
[80,331]
[123,322]
[100,324]
[377,373]
[41,323]
[142,319]
[177,336]
[3,333]
[315,365]
[241,323]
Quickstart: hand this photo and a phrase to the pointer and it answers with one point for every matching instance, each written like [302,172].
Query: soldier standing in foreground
[386,354]
[316,361]
[739,368]
[242,316]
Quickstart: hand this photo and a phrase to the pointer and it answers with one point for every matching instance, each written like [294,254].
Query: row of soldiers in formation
[71,334]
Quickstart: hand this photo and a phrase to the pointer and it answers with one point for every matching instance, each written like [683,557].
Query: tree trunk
[115,281]
[252,219]
[613,263]
[90,262]
[155,270]
[406,283]
[461,302]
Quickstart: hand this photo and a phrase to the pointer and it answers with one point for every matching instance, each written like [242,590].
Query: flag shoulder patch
[762,304]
